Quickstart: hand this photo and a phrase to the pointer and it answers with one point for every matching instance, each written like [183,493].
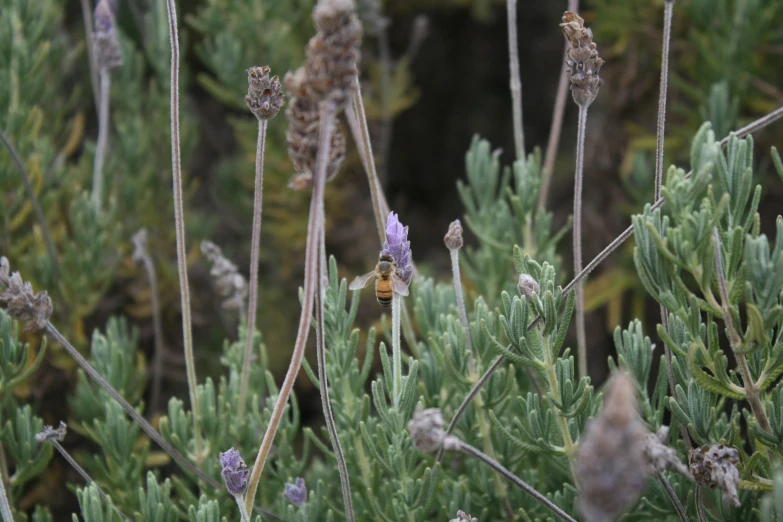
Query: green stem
[255,248]
[554,388]
[242,509]
[515,81]
[103,140]
[396,349]
[581,338]
[179,222]
[463,314]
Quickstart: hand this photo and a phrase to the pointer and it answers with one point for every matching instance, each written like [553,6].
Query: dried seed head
[234,471]
[453,239]
[296,493]
[528,286]
[105,44]
[333,52]
[229,283]
[398,247]
[49,433]
[715,466]
[20,301]
[582,60]
[610,469]
[426,429]
[304,122]
[463,517]
[659,456]
[264,94]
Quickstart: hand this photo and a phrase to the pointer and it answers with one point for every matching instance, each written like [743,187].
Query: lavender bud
[610,469]
[463,517]
[528,286]
[398,247]
[265,96]
[715,466]
[234,472]
[426,429]
[48,433]
[296,494]
[20,301]
[582,60]
[105,43]
[453,239]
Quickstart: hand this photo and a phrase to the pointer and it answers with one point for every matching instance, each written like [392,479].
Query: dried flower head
[265,96]
[49,433]
[229,283]
[463,517]
[333,52]
[234,471]
[304,124]
[528,286]
[426,429]
[296,493]
[398,247]
[610,469]
[582,59]
[715,466]
[107,48]
[20,301]
[661,457]
[453,239]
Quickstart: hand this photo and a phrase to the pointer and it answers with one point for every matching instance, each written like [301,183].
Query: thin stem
[311,273]
[515,81]
[28,187]
[562,421]
[557,123]
[518,482]
[463,314]
[606,252]
[182,267]
[87,14]
[242,509]
[145,426]
[103,140]
[5,505]
[396,348]
[326,403]
[668,8]
[702,516]
[255,248]
[751,390]
[678,507]
[581,338]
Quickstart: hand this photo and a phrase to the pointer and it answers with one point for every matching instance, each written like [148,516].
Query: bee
[386,280]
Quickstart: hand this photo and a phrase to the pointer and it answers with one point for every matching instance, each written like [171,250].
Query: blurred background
[434,73]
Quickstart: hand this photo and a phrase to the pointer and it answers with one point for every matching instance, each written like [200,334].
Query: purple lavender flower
[398,247]
[296,494]
[104,17]
[234,472]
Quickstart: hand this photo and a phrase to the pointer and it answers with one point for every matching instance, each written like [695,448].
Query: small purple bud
[234,472]
[296,494]
[104,17]
[398,247]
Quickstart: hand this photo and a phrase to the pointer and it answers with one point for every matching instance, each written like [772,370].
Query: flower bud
[234,472]
[264,94]
[453,239]
[426,429]
[528,286]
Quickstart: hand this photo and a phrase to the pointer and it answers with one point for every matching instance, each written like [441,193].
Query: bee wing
[399,286]
[361,281]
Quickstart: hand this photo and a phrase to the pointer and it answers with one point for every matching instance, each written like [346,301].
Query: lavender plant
[480,407]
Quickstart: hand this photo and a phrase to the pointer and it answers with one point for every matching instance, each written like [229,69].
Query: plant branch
[463,314]
[702,516]
[182,268]
[557,123]
[751,390]
[581,338]
[678,507]
[515,81]
[28,187]
[87,14]
[326,404]
[103,139]
[255,248]
[311,273]
[457,444]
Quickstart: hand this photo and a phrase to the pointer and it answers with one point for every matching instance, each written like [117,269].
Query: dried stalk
[103,139]
[581,338]
[515,81]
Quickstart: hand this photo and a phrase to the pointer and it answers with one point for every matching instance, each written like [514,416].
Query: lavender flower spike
[234,472]
[296,494]
[398,247]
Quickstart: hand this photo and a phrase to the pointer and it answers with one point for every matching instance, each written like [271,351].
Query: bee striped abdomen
[383,291]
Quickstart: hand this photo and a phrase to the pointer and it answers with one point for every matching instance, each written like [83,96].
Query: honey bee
[386,281]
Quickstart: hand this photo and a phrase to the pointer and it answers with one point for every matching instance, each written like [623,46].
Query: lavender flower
[398,247]
[107,48]
[296,494]
[234,472]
